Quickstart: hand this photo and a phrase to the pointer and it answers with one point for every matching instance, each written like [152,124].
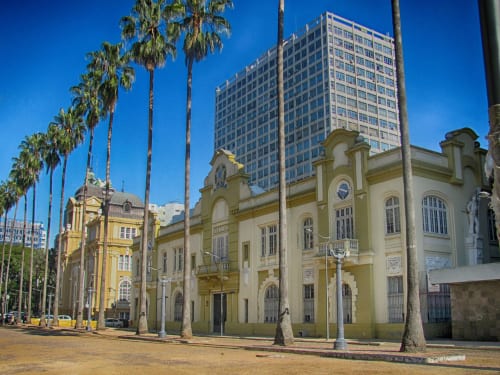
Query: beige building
[354,201]
[125,221]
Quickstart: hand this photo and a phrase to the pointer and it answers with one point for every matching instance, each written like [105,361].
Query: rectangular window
[344,223]
[439,305]
[246,253]
[246,309]
[269,240]
[308,303]
[395,299]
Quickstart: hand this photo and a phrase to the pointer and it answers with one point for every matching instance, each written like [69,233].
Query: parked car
[113,322]
[64,317]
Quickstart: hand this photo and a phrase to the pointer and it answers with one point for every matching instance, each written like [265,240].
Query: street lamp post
[89,310]
[162,332]
[221,291]
[339,254]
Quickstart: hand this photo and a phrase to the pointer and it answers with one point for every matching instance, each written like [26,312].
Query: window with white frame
[271,304]
[124,291]
[308,303]
[344,222]
[269,240]
[308,234]
[220,247]
[395,299]
[392,218]
[125,263]
[178,307]
[178,259]
[127,232]
[434,215]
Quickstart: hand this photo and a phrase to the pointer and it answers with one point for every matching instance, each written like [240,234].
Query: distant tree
[115,72]
[150,48]
[70,135]
[413,336]
[88,103]
[203,25]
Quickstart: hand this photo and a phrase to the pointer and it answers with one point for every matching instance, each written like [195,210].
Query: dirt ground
[33,351]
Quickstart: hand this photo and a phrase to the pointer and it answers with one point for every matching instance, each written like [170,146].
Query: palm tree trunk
[102,303]
[43,323]
[490,30]
[59,244]
[6,289]
[3,261]
[186,331]
[142,326]
[284,332]
[413,336]
[81,278]
[21,272]
[30,288]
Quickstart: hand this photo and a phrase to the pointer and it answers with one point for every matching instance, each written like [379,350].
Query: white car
[113,322]
[64,317]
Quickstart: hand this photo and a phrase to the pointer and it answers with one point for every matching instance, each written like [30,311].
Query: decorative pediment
[224,165]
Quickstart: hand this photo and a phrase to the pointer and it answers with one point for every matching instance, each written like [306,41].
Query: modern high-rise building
[337,74]
[39,232]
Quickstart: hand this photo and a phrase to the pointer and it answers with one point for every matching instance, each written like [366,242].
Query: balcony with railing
[349,245]
[214,268]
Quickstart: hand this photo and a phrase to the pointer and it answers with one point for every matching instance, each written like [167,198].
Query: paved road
[34,351]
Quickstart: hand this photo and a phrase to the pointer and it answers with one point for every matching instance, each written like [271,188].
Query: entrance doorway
[220,308]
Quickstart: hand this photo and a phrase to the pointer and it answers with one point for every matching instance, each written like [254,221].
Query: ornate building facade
[354,202]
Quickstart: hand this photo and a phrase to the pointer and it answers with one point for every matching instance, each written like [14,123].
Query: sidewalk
[437,351]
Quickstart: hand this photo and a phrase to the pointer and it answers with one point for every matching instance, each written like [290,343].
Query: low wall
[475,310]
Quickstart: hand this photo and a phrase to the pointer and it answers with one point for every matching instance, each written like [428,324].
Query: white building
[39,234]
[337,74]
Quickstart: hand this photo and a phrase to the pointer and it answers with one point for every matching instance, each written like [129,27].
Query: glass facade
[337,74]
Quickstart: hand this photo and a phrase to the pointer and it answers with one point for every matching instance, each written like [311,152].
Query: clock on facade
[343,190]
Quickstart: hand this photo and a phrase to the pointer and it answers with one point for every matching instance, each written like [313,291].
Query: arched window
[271,304]
[308,234]
[392,221]
[124,291]
[178,307]
[347,303]
[434,215]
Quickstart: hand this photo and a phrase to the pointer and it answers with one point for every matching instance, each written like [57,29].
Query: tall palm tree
[150,48]
[89,104]
[31,148]
[284,333]
[203,25]
[70,135]
[12,198]
[19,173]
[115,72]
[51,158]
[6,205]
[413,336]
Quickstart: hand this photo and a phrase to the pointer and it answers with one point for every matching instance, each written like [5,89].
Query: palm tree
[115,72]
[88,103]
[284,333]
[70,135]
[12,198]
[51,158]
[413,336]
[150,48]
[7,202]
[31,151]
[19,174]
[203,25]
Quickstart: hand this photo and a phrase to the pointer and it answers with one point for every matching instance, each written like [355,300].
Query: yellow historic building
[125,221]
[353,202]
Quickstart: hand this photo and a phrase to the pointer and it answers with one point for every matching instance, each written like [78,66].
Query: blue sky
[43,54]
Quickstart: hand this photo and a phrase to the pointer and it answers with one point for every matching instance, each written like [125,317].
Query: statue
[472,212]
